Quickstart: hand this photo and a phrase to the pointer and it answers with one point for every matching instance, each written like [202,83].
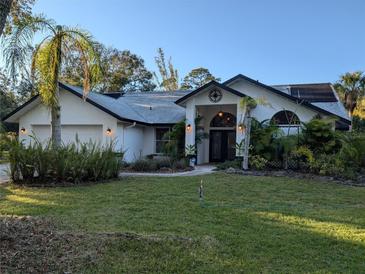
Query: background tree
[12,12]
[122,71]
[168,74]
[351,88]
[8,99]
[47,60]
[197,78]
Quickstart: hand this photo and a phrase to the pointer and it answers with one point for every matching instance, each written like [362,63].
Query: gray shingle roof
[158,107]
[147,107]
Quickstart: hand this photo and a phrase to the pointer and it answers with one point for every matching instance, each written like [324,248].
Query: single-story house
[138,121]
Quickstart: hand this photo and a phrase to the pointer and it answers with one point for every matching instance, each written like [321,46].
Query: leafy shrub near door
[163,164]
[73,163]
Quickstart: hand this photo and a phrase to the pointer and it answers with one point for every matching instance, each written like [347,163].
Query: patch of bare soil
[33,245]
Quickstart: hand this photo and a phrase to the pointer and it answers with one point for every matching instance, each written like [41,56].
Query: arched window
[285,117]
[223,119]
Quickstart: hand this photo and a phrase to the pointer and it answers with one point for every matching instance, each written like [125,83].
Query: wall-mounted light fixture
[220,113]
[188,128]
[108,131]
[241,127]
[23,130]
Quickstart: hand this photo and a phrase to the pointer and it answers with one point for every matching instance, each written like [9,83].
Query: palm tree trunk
[5,6]
[56,123]
[246,146]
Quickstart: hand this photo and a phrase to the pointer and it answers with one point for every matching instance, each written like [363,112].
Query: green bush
[74,163]
[320,136]
[152,165]
[301,157]
[263,135]
[352,150]
[329,165]
[180,164]
[229,164]
[144,165]
[257,162]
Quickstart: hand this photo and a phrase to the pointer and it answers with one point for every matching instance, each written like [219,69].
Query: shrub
[352,150]
[326,164]
[75,163]
[144,165]
[301,157]
[257,162]
[180,164]
[263,138]
[319,136]
[229,164]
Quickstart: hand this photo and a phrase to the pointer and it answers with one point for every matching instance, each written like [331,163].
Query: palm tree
[248,104]
[47,59]
[351,88]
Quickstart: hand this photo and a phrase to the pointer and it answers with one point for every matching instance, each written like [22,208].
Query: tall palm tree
[47,58]
[351,88]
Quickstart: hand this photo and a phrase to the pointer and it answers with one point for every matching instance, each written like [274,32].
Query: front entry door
[222,145]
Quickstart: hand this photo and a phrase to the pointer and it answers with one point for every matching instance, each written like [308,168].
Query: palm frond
[17,44]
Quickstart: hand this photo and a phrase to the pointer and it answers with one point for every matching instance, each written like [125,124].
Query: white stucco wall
[231,103]
[77,117]
[200,103]
[277,103]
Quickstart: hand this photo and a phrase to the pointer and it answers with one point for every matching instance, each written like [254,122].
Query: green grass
[247,224]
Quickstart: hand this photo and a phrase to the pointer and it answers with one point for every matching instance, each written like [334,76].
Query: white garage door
[85,133]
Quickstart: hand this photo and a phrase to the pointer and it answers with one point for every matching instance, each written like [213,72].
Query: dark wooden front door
[222,145]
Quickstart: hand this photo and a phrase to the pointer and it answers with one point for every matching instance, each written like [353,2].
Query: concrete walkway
[4,177]
[199,170]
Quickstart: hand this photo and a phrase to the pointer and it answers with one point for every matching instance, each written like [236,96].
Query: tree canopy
[13,12]
[169,76]
[351,88]
[122,71]
[197,78]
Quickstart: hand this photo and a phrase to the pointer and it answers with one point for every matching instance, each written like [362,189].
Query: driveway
[4,177]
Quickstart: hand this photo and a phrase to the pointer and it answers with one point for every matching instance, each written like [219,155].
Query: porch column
[240,132]
[190,123]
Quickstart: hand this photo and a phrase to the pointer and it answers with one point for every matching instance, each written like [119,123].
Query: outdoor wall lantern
[241,128]
[188,128]
[23,130]
[108,131]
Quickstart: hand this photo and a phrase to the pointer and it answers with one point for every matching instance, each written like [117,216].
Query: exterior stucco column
[240,132]
[190,123]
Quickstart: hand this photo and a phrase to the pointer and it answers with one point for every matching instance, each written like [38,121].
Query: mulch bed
[299,175]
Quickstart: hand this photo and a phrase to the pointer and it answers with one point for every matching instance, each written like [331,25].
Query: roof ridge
[303,84]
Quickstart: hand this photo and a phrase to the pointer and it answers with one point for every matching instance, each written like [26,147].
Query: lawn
[246,224]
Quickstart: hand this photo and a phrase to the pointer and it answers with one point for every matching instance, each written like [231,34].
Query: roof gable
[207,86]
[278,92]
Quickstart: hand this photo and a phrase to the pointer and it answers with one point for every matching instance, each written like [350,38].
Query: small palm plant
[47,59]
[239,148]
